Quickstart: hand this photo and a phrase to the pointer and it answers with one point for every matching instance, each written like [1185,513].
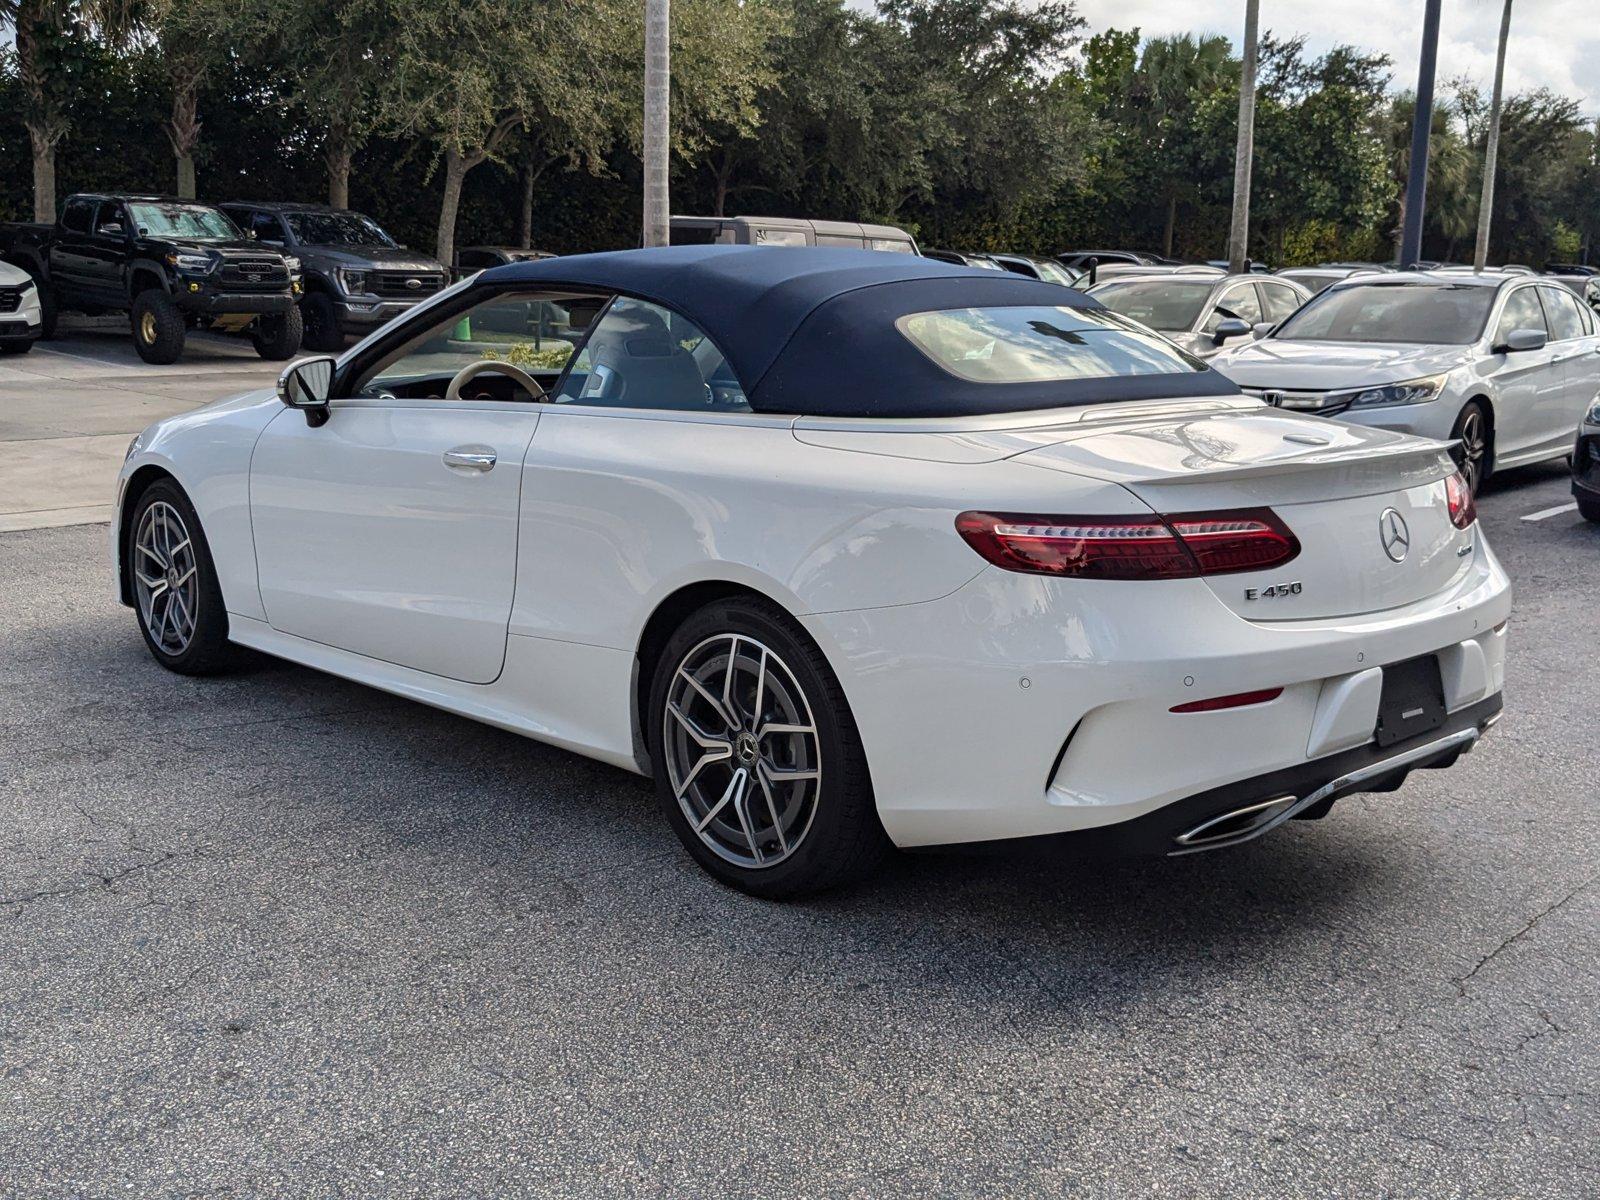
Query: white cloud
[1554,43]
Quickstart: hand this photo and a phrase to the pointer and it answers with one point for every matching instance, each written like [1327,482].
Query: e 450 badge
[1276,591]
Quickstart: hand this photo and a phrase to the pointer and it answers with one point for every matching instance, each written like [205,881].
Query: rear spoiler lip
[1424,460]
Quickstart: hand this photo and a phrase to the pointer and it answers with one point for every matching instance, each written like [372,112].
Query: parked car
[1079,259]
[785,537]
[1501,364]
[172,265]
[1582,285]
[1586,464]
[1036,267]
[1315,279]
[470,259]
[21,318]
[357,277]
[789,231]
[1202,312]
[960,258]
[1559,268]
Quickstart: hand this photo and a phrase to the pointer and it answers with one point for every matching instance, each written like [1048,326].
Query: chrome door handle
[469,459]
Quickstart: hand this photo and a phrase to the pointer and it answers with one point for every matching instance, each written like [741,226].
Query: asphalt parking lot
[276,934]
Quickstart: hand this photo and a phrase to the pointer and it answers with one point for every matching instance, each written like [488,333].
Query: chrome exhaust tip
[1239,825]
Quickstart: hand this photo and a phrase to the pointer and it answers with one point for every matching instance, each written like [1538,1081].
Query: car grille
[10,299]
[254,274]
[398,283]
[1315,403]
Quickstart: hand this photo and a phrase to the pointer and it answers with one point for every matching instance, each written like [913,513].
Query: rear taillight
[1176,546]
[1458,496]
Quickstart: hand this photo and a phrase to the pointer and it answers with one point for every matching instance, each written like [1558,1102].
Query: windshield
[1168,304]
[1449,314]
[336,229]
[1051,273]
[197,222]
[1041,344]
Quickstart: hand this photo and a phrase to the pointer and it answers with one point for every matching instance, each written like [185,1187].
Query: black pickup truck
[172,265]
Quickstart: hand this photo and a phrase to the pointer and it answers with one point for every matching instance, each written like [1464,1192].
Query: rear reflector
[1177,546]
[1237,700]
[1463,512]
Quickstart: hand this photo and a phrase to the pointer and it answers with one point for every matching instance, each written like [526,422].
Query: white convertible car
[845,549]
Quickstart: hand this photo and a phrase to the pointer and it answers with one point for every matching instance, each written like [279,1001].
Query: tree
[335,53]
[193,37]
[467,75]
[51,38]
[1491,152]
[1244,151]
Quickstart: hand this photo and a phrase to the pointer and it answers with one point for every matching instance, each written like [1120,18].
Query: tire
[1475,453]
[277,337]
[49,315]
[1589,510]
[164,515]
[16,345]
[321,322]
[158,327]
[833,835]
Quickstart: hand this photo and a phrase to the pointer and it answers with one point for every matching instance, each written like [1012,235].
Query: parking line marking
[1545,513]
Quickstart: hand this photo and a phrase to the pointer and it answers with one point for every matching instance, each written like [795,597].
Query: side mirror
[306,384]
[1230,327]
[1521,340]
[1261,328]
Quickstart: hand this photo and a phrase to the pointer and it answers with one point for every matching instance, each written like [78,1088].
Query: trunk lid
[1368,506]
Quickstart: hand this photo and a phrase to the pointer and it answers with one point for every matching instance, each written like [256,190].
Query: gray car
[1202,312]
[356,276]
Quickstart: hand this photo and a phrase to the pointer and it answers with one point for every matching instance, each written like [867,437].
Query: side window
[78,215]
[790,237]
[1240,302]
[108,222]
[526,331]
[1279,301]
[1522,311]
[1561,310]
[266,227]
[641,355]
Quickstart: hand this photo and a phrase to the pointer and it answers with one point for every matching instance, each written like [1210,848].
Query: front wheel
[1474,449]
[757,760]
[277,337]
[175,592]
[1589,510]
[158,327]
[321,323]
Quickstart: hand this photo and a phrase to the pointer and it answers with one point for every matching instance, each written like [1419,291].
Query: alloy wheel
[1469,455]
[166,578]
[147,328]
[741,749]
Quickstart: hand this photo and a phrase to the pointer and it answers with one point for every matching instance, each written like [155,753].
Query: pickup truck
[356,276]
[172,265]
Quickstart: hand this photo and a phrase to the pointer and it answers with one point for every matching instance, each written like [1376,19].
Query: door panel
[370,539]
[1525,379]
[1579,366]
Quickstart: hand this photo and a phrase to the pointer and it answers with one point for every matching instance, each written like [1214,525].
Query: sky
[1554,43]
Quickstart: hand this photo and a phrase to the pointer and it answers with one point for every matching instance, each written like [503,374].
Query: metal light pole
[1491,151]
[657,120]
[1244,150]
[1422,126]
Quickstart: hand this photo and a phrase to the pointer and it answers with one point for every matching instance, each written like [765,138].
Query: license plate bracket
[1412,700]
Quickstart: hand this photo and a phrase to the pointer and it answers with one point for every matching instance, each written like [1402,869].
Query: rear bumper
[1020,706]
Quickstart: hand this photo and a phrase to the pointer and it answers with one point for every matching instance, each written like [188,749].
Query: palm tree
[657,120]
[41,27]
[1491,152]
[1244,151]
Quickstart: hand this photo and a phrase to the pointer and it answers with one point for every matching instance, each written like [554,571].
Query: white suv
[21,318]
[1502,364]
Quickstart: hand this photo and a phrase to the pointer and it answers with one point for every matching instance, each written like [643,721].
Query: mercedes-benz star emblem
[1394,535]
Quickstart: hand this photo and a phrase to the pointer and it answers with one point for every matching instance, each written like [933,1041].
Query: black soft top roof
[811,331]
